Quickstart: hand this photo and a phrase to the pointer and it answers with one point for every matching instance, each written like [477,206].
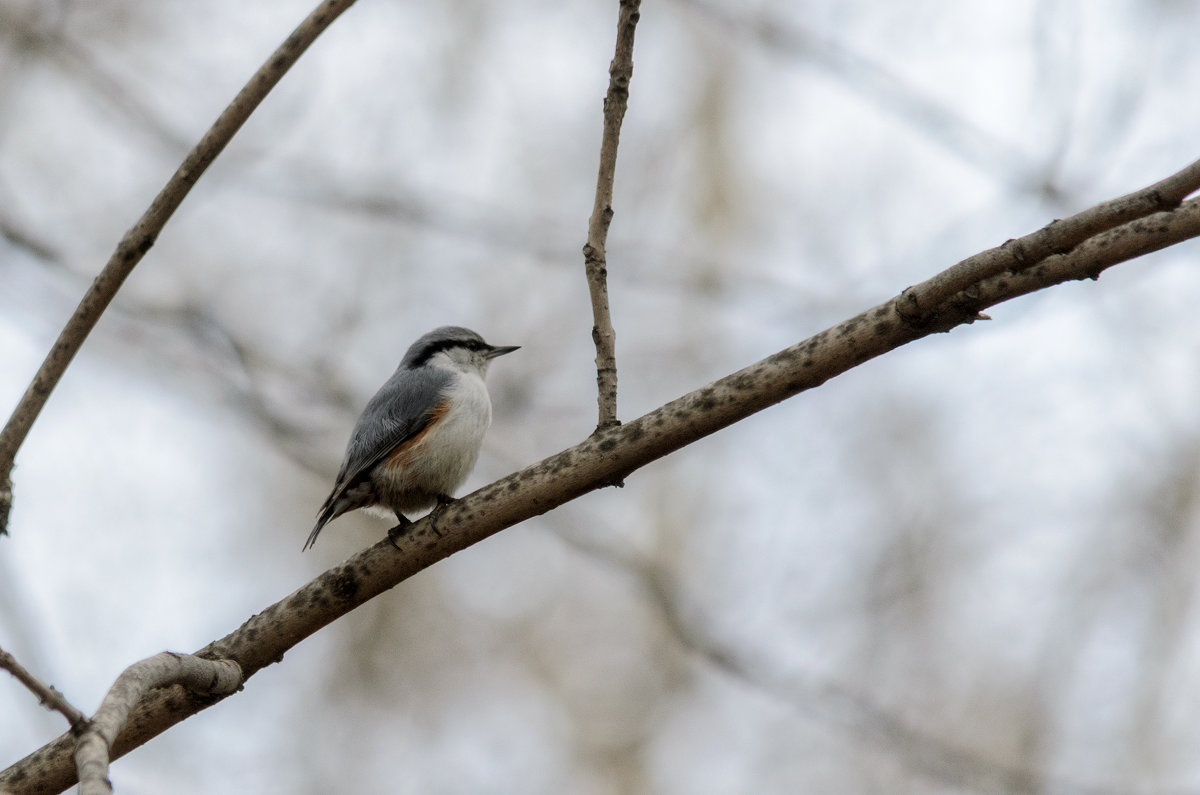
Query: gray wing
[399,411]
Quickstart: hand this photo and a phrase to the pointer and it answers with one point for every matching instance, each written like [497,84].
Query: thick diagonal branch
[620,73]
[138,240]
[608,455]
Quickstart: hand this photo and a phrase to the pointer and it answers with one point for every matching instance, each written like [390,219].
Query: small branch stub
[6,499]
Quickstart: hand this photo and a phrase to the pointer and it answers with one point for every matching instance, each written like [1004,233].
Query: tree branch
[610,454]
[139,239]
[620,73]
[47,695]
[1056,237]
[205,677]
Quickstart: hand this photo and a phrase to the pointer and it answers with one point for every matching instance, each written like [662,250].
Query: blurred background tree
[967,566]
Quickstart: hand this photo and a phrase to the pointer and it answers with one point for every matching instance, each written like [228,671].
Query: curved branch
[620,73]
[204,677]
[606,456]
[139,239]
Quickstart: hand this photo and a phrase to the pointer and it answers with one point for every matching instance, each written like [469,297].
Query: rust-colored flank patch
[401,456]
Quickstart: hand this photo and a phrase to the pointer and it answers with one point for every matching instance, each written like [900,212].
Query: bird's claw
[442,501]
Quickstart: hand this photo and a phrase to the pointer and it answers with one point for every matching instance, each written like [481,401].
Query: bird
[419,437]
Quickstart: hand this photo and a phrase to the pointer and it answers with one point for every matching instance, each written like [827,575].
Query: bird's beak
[494,352]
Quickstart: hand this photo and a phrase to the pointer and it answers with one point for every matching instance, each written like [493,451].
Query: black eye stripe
[435,348]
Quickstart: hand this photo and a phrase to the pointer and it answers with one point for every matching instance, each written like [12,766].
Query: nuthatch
[418,438]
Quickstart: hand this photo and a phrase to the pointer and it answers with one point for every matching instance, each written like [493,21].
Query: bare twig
[50,698]
[200,676]
[138,240]
[605,457]
[620,72]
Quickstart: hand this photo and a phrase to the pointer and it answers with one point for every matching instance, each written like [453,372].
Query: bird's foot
[399,531]
[442,501]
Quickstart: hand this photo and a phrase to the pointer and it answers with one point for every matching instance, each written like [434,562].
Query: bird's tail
[312,537]
[329,512]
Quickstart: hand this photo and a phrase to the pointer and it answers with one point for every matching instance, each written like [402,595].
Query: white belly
[446,454]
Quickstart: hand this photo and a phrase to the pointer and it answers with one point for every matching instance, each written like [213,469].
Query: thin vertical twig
[139,239]
[620,73]
[50,698]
